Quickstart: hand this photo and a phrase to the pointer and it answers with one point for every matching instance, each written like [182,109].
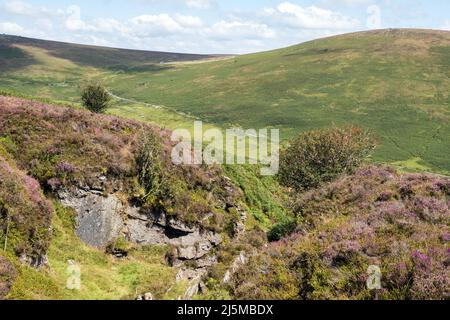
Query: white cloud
[189,21]
[45,24]
[228,30]
[199,4]
[239,32]
[163,20]
[446,25]
[155,25]
[349,2]
[109,25]
[312,17]
[10,28]
[73,21]
[19,7]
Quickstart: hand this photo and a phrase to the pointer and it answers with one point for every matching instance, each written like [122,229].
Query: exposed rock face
[191,243]
[145,297]
[34,261]
[102,219]
[194,277]
[99,219]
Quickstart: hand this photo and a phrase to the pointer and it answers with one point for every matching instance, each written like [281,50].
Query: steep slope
[25,214]
[107,189]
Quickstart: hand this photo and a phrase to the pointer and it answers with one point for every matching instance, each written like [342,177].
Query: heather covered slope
[63,147]
[25,214]
[400,223]
[46,149]
[375,217]
[37,234]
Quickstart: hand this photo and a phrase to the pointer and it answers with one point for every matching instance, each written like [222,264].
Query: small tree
[321,156]
[96,98]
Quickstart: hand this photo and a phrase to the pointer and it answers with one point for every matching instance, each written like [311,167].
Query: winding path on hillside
[151,105]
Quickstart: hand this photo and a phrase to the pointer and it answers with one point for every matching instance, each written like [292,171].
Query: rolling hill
[395,82]
[94,56]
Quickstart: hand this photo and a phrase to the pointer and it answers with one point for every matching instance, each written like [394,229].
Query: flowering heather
[8,273]
[400,223]
[54,141]
[25,213]
[65,168]
[64,147]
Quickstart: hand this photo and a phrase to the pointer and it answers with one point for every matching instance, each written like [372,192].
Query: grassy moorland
[392,81]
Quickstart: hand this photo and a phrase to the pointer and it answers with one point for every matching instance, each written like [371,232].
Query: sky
[212,26]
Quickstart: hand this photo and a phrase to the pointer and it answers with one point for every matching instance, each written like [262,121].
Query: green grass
[264,198]
[393,82]
[103,277]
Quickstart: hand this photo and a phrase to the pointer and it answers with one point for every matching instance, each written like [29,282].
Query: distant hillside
[101,57]
[395,82]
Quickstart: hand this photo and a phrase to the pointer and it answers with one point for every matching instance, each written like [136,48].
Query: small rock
[145,297]
[148,296]
[193,289]
[241,260]
[203,287]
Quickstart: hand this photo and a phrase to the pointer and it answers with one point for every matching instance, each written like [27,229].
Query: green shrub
[96,98]
[151,169]
[282,229]
[321,156]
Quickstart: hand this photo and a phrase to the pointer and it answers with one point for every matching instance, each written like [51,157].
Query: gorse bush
[96,98]
[321,156]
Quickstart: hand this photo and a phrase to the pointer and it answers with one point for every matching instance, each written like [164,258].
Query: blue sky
[212,26]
